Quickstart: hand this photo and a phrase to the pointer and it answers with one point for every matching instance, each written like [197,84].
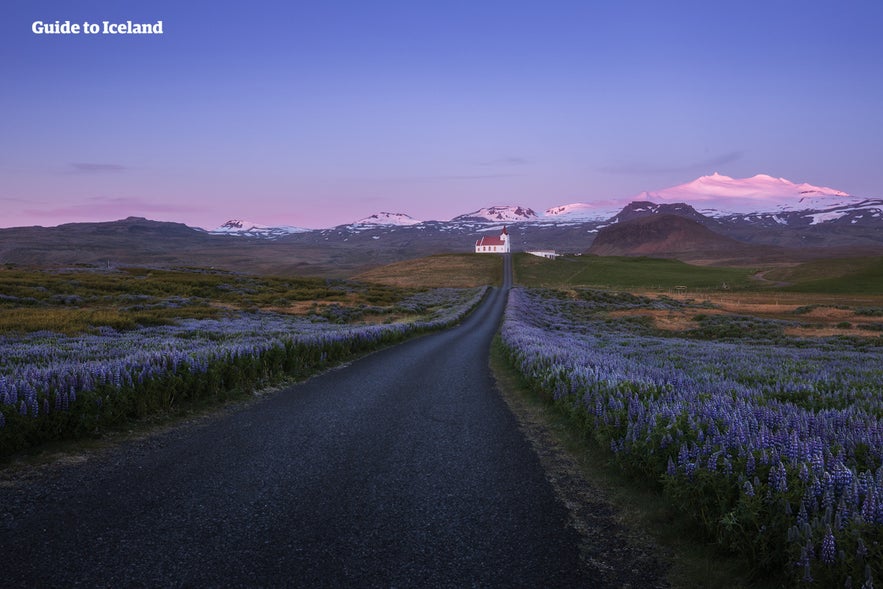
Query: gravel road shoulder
[626,557]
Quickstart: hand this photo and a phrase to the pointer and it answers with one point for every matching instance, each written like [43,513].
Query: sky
[315,114]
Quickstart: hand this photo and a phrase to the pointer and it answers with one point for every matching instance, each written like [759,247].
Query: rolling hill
[672,236]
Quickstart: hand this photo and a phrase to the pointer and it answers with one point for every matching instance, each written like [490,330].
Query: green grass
[862,275]
[626,273]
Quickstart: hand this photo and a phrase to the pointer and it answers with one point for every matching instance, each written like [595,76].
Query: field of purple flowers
[55,386]
[773,444]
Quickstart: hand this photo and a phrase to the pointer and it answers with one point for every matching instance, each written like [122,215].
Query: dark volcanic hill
[848,231]
[640,209]
[674,236]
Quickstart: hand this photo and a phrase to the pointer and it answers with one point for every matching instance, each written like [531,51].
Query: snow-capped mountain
[760,210]
[762,201]
[580,212]
[858,212]
[718,195]
[388,219]
[243,228]
[507,213]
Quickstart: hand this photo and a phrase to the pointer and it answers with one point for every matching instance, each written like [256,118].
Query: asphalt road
[403,469]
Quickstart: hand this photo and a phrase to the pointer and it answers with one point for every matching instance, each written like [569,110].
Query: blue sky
[319,113]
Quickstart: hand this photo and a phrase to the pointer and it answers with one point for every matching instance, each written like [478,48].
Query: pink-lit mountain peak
[759,186]
[717,195]
[724,194]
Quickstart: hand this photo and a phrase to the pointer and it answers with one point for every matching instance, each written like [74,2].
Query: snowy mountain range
[496,214]
[761,200]
[249,229]
[711,218]
[388,219]
[579,212]
[720,196]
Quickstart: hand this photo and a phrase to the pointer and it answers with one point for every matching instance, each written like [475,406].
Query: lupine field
[773,443]
[56,385]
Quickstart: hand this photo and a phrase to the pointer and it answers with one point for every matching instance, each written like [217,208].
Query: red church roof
[487,240]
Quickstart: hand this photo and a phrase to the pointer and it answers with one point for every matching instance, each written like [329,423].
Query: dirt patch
[761,277]
[793,299]
[827,319]
[830,314]
[301,307]
[851,328]
[668,320]
[774,309]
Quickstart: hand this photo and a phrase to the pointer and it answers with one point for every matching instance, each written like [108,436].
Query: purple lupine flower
[802,517]
[804,472]
[671,469]
[749,464]
[778,478]
[829,548]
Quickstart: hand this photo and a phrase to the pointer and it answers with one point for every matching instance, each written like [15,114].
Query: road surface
[402,469]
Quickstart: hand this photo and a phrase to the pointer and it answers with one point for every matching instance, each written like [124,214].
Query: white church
[493,245]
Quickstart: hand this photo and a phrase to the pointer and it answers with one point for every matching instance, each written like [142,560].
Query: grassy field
[818,282]
[831,276]
[834,276]
[447,270]
[74,301]
[627,273]
[818,298]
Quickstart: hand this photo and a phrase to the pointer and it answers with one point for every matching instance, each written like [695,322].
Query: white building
[493,245]
[544,254]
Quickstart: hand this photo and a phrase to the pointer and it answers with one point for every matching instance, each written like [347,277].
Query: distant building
[551,254]
[493,245]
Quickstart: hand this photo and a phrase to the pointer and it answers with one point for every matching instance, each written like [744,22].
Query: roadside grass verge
[642,508]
